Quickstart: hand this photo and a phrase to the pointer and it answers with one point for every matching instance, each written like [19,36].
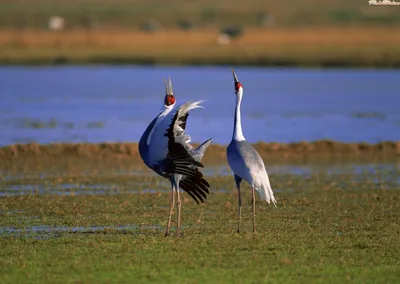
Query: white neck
[163,113]
[237,126]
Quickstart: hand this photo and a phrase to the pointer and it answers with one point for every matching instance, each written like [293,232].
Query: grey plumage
[245,162]
[165,148]
[244,153]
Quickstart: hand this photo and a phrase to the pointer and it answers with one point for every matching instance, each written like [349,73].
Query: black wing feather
[179,161]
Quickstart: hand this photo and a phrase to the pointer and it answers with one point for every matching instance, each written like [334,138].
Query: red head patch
[169,100]
[237,86]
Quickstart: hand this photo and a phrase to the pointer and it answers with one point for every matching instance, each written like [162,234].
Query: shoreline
[76,156]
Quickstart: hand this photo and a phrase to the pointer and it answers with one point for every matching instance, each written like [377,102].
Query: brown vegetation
[32,157]
[278,46]
[355,36]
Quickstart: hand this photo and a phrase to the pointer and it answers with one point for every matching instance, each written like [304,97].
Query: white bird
[165,148]
[246,162]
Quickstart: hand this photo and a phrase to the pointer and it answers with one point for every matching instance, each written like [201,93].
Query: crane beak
[169,95]
[168,87]
[234,76]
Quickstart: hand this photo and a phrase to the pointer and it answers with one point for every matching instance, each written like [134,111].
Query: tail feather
[265,190]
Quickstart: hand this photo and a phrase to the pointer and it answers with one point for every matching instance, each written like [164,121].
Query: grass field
[304,33]
[334,223]
[319,233]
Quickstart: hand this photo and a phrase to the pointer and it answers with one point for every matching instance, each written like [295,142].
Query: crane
[246,162]
[165,148]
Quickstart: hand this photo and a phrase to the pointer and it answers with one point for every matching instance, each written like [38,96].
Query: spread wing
[180,156]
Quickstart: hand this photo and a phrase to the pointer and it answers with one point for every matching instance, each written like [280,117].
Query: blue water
[105,104]
[381,176]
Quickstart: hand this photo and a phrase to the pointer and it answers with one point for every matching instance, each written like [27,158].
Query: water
[386,175]
[115,104]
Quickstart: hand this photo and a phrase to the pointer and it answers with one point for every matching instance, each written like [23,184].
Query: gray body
[161,166]
[245,161]
[176,159]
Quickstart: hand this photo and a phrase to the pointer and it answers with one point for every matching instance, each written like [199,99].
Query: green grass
[133,13]
[326,229]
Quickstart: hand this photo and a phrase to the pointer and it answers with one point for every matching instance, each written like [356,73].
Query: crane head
[238,85]
[169,94]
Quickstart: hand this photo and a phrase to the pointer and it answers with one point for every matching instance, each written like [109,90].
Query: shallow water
[381,175]
[104,104]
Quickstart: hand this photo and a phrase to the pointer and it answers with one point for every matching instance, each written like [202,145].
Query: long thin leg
[175,183]
[171,209]
[253,200]
[179,213]
[238,181]
[240,210]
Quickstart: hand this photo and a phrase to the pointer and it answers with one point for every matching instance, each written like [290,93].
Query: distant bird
[165,148]
[232,31]
[245,161]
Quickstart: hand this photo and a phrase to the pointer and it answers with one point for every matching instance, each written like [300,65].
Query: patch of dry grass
[124,157]
[316,46]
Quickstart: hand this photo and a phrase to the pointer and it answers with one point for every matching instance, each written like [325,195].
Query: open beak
[169,94]
[168,87]
[234,76]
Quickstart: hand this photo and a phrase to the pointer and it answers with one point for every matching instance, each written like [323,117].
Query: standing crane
[246,162]
[165,148]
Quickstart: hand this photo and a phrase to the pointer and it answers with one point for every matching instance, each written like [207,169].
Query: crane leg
[253,201]
[171,209]
[175,184]
[179,213]
[238,180]
[240,209]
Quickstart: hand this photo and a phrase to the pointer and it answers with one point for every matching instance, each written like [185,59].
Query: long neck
[165,110]
[237,126]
